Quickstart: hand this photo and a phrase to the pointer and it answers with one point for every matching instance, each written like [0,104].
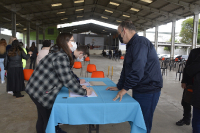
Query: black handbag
[187,95]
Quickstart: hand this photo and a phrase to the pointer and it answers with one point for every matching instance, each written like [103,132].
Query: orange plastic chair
[90,68]
[87,59]
[163,58]
[97,74]
[78,65]
[122,57]
[28,73]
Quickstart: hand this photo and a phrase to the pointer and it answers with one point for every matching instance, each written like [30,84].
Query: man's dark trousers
[148,103]
[186,109]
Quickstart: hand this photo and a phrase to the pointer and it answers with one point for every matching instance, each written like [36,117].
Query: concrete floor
[20,115]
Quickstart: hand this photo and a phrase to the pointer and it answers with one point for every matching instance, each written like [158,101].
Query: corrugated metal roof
[158,11]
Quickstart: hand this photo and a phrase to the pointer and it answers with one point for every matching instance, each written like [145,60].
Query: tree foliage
[187,31]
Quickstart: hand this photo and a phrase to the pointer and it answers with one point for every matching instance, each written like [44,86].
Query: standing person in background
[7,48]
[4,40]
[193,71]
[23,60]
[186,81]
[2,56]
[120,53]
[45,50]
[110,54]
[34,56]
[13,64]
[10,42]
[27,49]
[140,72]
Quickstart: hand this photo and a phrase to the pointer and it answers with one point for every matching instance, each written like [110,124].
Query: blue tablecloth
[96,110]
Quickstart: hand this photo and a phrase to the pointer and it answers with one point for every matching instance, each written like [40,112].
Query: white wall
[96,41]
[7,37]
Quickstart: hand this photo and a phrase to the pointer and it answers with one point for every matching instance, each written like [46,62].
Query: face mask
[120,38]
[74,46]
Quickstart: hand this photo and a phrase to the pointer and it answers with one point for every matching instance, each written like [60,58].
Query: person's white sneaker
[2,82]
[10,92]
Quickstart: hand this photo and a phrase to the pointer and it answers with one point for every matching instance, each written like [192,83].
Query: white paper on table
[73,94]
[86,84]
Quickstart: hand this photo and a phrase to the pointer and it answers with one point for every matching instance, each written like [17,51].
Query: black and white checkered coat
[51,74]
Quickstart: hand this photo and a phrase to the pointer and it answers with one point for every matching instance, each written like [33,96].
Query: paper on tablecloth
[72,94]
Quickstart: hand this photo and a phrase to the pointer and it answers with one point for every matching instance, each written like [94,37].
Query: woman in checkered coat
[51,74]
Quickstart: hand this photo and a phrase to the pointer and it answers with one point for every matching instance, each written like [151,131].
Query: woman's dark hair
[46,43]
[61,43]
[32,46]
[15,48]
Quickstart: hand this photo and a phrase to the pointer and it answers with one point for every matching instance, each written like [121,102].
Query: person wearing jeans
[196,120]
[2,70]
[140,72]
[2,56]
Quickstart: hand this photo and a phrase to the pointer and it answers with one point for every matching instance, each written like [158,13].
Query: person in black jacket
[140,72]
[14,68]
[110,54]
[34,55]
[186,81]
[193,70]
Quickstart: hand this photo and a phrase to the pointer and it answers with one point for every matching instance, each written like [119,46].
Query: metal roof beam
[24,4]
[121,12]
[60,10]
[187,6]
[139,6]
[65,16]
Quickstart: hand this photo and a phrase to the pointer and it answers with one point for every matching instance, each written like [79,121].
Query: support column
[188,50]
[24,39]
[144,33]
[28,34]
[115,42]
[195,29]
[37,36]
[43,34]
[111,38]
[13,24]
[173,39]
[156,38]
